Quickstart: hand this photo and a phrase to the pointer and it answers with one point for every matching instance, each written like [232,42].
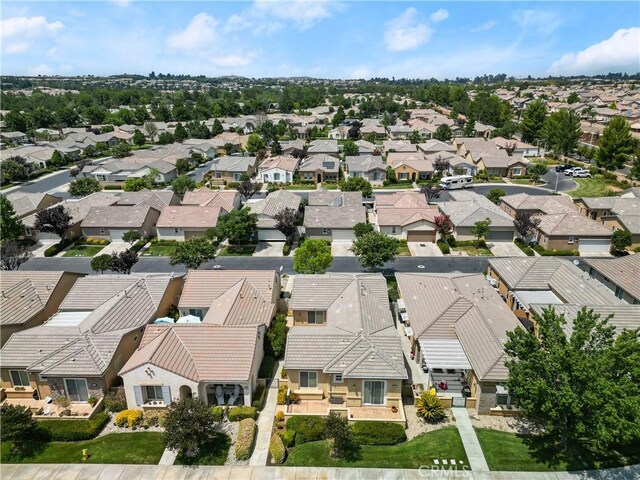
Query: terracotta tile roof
[189,216]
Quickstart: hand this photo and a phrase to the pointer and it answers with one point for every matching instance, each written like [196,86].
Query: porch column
[246,388]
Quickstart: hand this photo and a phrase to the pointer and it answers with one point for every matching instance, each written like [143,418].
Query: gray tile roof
[25,294]
[157,199]
[333,209]
[232,163]
[622,271]
[321,161]
[78,208]
[624,316]
[365,163]
[469,207]
[275,202]
[117,217]
[572,223]
[26,204]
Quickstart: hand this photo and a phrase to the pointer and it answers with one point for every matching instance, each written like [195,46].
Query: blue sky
[328,39]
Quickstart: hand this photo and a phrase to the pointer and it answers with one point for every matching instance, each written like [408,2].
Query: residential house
[267,208]
[293,148]
[401,146]
[184,222]
[14,138]
[331,215]
[621,275]
[341,132]
[343,353]
[319,168]
[572,231]
[37,157]
[406,215]
[468,208]
[457,328]
[25,204]
[522,282]
[367,148]
[516,147]
[615,213]
[231,168]
[482,130]
[79,351]
[486,155]
[216,363]
[399,132]
[205,197]
[436,146]
[278,169]
[328,147]
[375,128]
[77,210]
[29,298]
[410,166]
[369,167]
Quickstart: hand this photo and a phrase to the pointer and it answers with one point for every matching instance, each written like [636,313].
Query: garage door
[421,236]
[270,235]
[338,235]
[500,236]
[596,245]
[116,235]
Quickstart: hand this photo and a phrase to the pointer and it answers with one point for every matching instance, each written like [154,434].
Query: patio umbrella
[189,319]
[164,320]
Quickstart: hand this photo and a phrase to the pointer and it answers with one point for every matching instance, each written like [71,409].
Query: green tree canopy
[180,133]
[562,131]
[100,263]
[361,229]
[84,186]
[615,144]
[495,194]
[53,220]
[131,236]
[238,226]
[374,250]
[18,427]
[443,133]
[583,388]
[255,143]
[189,426]
[138,138]
[621,239]
[532,121]
[11,227]
[313,256]
[136,184]
[350,148]
[193,253]
[357,184]
[480,229]
[182,184]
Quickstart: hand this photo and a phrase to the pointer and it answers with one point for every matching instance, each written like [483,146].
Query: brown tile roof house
[205,197]
[79,350]
[321,167]
[29,298]
[238,297]
[551,204]
[389,146]
[332,215]
[30,203]
[401,200]
[191,359]
[267,208]
[457,322]
[278,169]
[622,275]
[182,222]
[615,213]
[406,215]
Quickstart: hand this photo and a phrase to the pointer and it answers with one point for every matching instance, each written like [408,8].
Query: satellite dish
[576,263]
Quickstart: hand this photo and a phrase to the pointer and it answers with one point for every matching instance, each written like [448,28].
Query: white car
[569,171]
[581,173]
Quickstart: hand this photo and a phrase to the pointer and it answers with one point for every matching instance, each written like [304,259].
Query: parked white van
[458,181]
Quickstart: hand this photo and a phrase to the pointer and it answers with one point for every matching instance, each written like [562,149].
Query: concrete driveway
[268,249]
[424,249]
[39,248]
[341,248]
[114,247]
[506,249]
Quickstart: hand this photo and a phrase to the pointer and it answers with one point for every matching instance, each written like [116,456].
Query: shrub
[444,247]
[246,437]
[276,336]
[73,430]
[259,396]
[279,416]
[115,401]
[122,418]
[56,248]
[92,400]
[218,413]
[288,438]
[378,433]
[308,428]
[556,253]
[637,249]
[282,394]
[286,250]
[430,408]
[277,450]
[237,414]
[451,240]
[266,368]
[151,420]
[294,397]
[524,247]
[134,418]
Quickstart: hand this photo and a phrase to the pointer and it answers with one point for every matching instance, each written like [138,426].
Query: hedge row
[56,248]
[242,413]
[276,449]
[556,253]
[246,437]
[378,433]
[218,413]
[444,247]
[524,247]
[308,428]
[73,430]
[266,367]
[259,397]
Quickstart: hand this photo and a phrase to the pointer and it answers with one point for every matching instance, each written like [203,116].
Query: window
[77,390]
[276,176]
[516,171]
[236,176]
[337,378]
[393,229]
[176,230]
[503,399]
[325,231]
[28,232]
[373,392]
[218,174]
[619,292]
[315,317]
[308,379]
[571,239]
[196,312]
[152,393]
[20,378]
[404,176]
[103,231]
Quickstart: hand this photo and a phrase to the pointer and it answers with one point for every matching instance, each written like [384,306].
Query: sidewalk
[470,440]
[168,457]
[265,421]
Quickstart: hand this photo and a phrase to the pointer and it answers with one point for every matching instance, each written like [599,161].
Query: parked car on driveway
[562,168]
[581,173]
[569,171]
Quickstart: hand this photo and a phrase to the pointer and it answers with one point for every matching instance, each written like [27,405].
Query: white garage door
[338,235]
[116,235]
[595,245]
[270,235]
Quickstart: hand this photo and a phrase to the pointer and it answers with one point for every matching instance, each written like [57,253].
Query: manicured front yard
[136,447]
[395,186]
[525,181]
[422,450]
[403,250]
[83,251]
[237,251]
[159,251]
[213,454]
[589,187]
[473,251]
[510,452]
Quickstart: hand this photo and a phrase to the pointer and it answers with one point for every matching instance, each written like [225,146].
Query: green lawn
[403,251]
[525,181]
[159,251]
[83,251]
[589,187]
[422,450]
[214,454]
[473,251]
[237,251]
[138,447]
[510,452]
[395,186]
[310,186]
[392,288]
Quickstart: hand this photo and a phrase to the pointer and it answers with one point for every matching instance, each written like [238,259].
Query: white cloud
[232,61]
[13,48]
[620,52]
[42,69]
[485,26]
[266,16]
[360,72]
[122,3]
[406,31]
[439,15]
[541,22]
[200,33]
[29,27]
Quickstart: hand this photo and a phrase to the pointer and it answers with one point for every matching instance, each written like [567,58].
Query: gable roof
[28,203]
[572,223]
[405,216]
[283,162]
[205,197]
[78,208]
[198,352]
[549,204]
[25,294]
[622,271]
[469,208]
[275,202]
[189,216]
[364,163]
[321,161]
[233,163]
[402,200]
[117,217]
